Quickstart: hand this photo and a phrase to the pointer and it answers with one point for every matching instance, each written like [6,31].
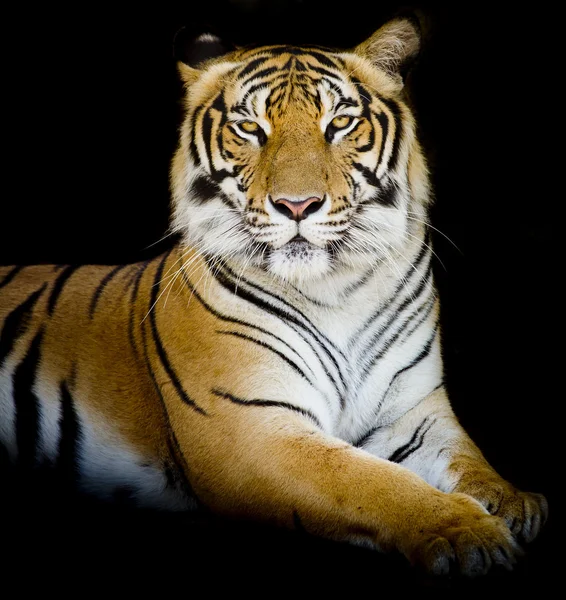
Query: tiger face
[300,161]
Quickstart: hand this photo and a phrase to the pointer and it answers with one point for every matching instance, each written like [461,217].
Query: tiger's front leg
[259,460]
[430,441]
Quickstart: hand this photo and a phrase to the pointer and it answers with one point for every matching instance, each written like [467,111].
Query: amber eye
[341,122]
[249,126]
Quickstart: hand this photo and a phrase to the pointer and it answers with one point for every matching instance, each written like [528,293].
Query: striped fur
[283,362]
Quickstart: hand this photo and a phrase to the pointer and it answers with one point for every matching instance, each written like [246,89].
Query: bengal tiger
[282,362]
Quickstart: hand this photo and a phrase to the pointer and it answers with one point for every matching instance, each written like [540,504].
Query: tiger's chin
[299,262]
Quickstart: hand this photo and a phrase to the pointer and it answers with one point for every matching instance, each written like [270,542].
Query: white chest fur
[368,335]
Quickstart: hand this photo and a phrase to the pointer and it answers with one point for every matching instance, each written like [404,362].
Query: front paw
[524,513]
[457,535]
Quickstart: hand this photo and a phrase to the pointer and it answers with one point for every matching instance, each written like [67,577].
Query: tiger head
[299,160]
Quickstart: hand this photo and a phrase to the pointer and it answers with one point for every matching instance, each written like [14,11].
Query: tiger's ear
[393,47]
[191,54]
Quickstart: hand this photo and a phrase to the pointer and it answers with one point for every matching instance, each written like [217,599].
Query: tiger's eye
[249,126]
[341,122]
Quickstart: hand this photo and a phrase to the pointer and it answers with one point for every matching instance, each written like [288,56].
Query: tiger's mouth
[298,260]
[299,248]
[298,240]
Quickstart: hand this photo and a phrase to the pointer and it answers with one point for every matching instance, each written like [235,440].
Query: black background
[92,106]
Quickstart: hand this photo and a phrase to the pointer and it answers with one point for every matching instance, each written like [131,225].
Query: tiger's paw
[463,538]
[524,513]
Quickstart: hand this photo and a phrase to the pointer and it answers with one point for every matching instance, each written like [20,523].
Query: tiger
[282,361]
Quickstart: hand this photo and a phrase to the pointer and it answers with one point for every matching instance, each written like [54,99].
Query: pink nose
[298,210]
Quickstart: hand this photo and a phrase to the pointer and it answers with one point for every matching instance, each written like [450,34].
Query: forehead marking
[299,78]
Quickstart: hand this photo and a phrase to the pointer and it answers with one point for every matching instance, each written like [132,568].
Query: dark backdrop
[89,126]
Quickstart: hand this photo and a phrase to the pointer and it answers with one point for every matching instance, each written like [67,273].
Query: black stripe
[427,307]
[289,318]
[10,276]
[334,62]
[441,384]
[353,287]
[336,89]
[362,440]
[387,345]
[368,174]
[275,98]
[16,324]
[326,73]
[70,428]
[314,301]
[274,86]
[133,302]
[385,195]
[420,357]
[173,446]
[241,109]
[294,63]
[384,124]
[411,299]
[348,102]
[296,325]
[101,286]
[402,449]
[396,112]
[268,347]
[27,404]
[413,445]
[254,64]
[193,148]
[369,144]
[161,352]
[227,319]
[366,114]
[219,105]
[413,269]
[58,287]
[258,74]
[268,403]
[307,324]
[204,189]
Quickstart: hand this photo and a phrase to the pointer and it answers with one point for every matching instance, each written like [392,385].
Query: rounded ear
[192,52]
[393,47]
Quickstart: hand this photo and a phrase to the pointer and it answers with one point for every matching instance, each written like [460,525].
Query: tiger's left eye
[341,122]
[249,126]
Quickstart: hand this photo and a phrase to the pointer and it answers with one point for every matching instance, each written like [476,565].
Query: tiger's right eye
[252,129]
[249,126]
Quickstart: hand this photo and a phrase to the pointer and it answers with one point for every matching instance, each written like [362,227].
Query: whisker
[246,262]
[160,240]
[427,223]
[200,250]
[363,220]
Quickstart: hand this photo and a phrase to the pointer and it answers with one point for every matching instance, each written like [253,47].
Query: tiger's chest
[359,351]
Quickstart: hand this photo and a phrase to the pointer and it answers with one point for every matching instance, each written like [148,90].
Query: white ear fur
[392,46]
